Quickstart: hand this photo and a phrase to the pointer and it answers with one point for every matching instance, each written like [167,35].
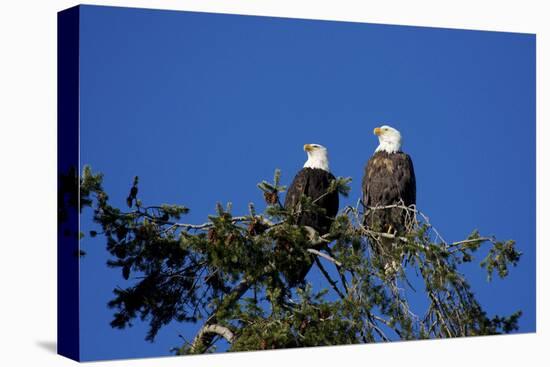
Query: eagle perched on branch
[388,180]
[312,181]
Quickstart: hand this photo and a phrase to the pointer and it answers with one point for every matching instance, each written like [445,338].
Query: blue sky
[204,106]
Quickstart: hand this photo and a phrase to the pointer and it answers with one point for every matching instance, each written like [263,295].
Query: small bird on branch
[133,193]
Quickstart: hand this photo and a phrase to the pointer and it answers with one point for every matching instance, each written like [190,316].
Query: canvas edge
[68,315]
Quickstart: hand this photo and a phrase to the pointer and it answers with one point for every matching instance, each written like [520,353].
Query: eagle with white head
[388,180]
[312,181]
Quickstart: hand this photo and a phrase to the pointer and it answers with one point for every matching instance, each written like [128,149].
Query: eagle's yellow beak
[377,131]
[308,147]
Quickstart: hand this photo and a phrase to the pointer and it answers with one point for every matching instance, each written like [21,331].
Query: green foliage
[500,255]
[230,272]
[341,185]
[89,183]
[74,194]
[311,321]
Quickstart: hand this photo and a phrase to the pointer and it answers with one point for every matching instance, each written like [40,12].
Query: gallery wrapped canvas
[242,183]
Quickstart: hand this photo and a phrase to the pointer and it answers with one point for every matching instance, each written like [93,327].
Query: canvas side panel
[68,24]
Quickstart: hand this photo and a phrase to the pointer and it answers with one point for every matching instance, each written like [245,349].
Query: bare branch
[411,208]
[324,256]
[480,239]
[382,234]
[233,220]
[214,329]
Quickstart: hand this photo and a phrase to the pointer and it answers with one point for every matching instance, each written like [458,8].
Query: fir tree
[227,274]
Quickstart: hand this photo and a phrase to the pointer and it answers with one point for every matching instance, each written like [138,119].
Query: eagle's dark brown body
[389,179]
[313,183]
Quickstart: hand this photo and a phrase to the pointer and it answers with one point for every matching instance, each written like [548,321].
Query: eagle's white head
[317,157]
[389,138]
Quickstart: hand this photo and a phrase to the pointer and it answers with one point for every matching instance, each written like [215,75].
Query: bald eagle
[389,179]
[312,181]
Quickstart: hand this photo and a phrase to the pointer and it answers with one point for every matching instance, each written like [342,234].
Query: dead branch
[324,256]
[213,329]
[411,208]
[480,239]
[233,220]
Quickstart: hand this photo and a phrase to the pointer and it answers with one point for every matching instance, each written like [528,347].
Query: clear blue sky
[204,106]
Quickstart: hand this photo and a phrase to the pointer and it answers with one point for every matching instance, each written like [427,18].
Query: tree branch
[329,279]
[233,220]
[213,329]
[205,338]
[480,239]
[324,256]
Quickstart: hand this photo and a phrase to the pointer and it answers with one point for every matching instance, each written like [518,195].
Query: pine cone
[212,235]
[271,197]
[256,227]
